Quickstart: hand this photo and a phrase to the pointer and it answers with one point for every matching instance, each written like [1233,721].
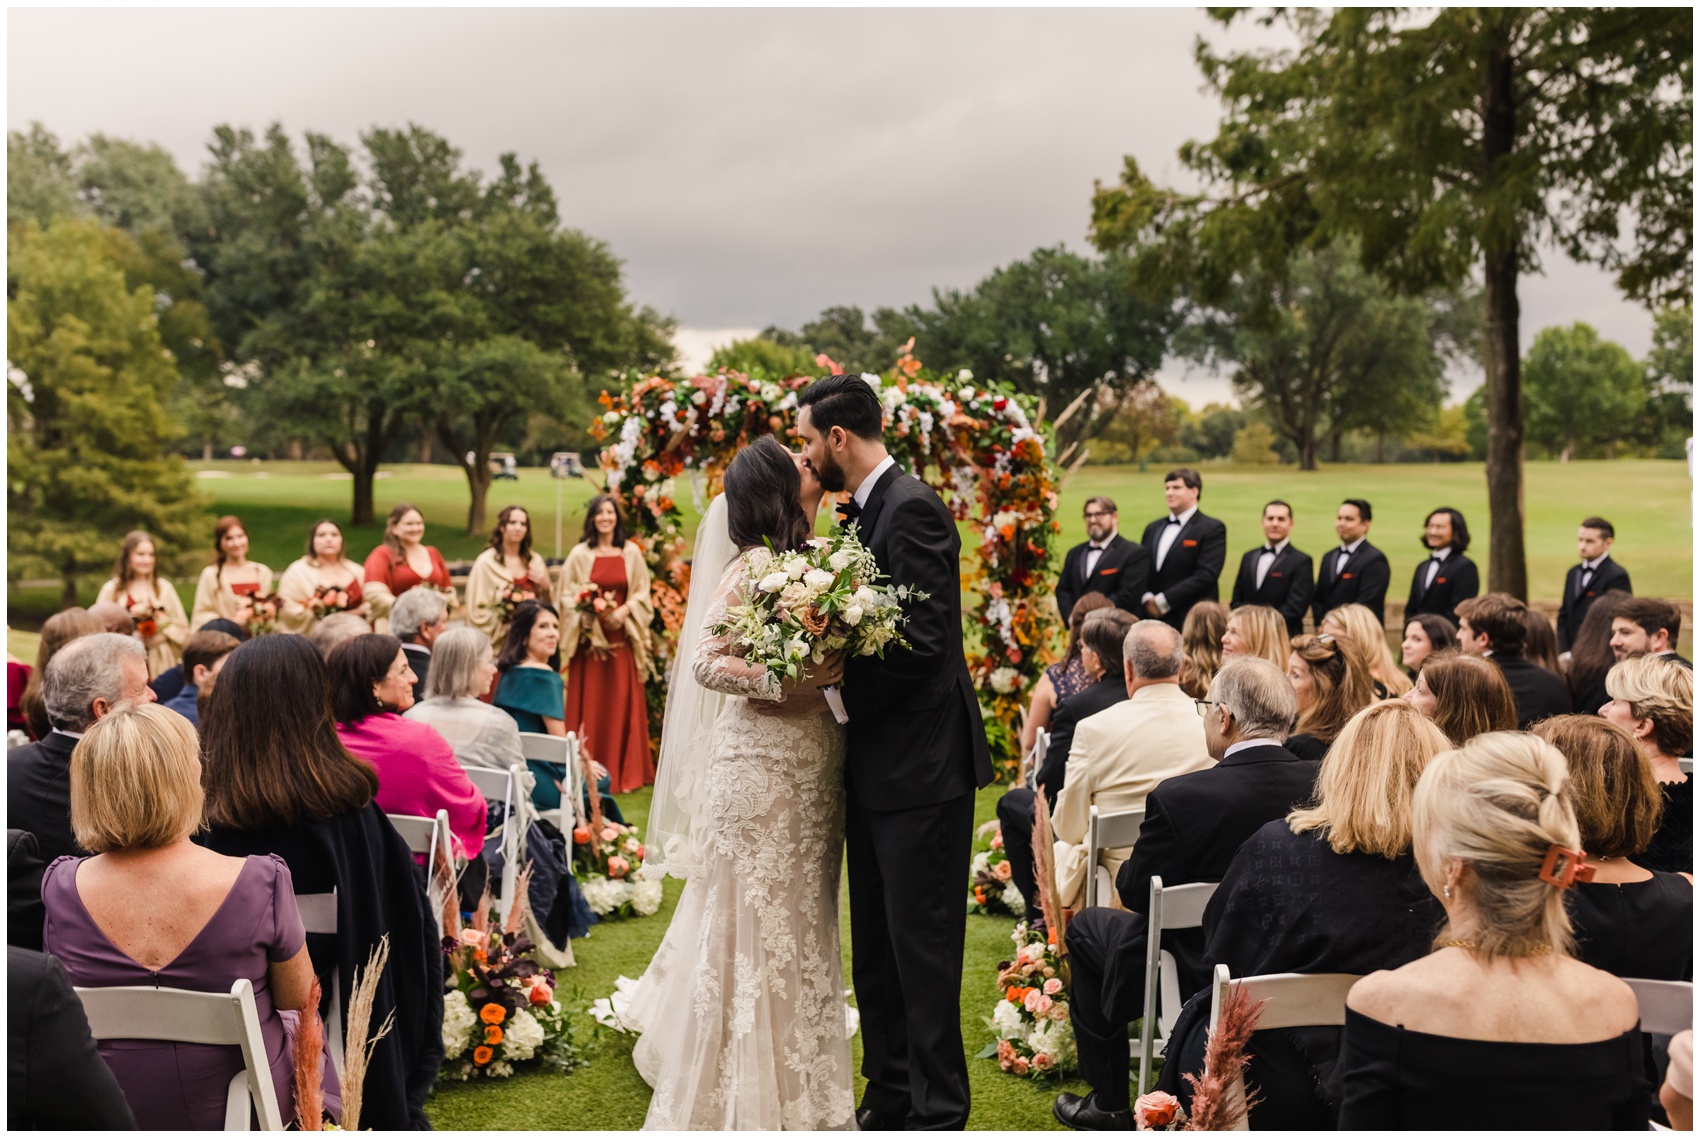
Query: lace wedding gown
[742,1008]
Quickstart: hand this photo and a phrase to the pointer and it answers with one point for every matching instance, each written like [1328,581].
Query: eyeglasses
[1204,706]
[1093,515]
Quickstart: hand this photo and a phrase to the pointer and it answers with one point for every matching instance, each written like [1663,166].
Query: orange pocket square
[1188,541]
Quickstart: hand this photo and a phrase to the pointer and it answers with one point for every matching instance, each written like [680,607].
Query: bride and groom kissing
[762,794]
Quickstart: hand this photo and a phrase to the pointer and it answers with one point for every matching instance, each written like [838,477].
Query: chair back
[1289,1000]
[1168,907]
[1687,765]
[318,915]
[504,787]
[1667,1006]
[1107,832]
[177,1016]
[1035,757]
[433,839]
[559,751]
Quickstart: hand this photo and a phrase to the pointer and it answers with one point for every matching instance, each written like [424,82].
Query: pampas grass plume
[1220,1100]
[361,1041]
[309,1064]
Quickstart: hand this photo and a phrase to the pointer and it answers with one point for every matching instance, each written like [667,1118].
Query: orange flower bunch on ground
[1030,1020]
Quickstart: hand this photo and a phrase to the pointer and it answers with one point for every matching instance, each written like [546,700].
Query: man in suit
[1495,625]
[1101,639]
[1106,562]
[417,618]
[1647,626]
[203,655]
[1187,549]
[1277,573]
[1355,573]
[1446,576]
[1591,579]
[916,753]
[55,1077]
[88,678]
[1194,824]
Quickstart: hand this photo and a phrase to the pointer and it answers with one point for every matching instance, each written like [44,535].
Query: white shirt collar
[1353,546]
[867,485]
[417,647]
[1105,544]
[1185,515]
[1590,566]
[1246,745]
[1280,546]
[67,734]
[1442,553]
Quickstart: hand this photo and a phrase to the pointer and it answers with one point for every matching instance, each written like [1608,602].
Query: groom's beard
[829,474]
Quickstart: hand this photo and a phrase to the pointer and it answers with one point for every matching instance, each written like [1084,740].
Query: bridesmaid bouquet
[262,614]
[510,599]
[328,600]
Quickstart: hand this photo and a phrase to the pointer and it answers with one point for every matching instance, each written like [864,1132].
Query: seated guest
[152,908]
[50,1050]
[1106,564]
[17,679]
[1332,887]
[1677,1093]
[279,781]
[1465,696]
[1120,754]
[1193,826]
[1500,1024]
[1425,634]
[1493,625]
[113,617]
[1653,699]
[417,618]
[203,655]
[87,679]
[1647,626]
[1592,654]
[1540,646]
[336,628]
[1201,641]
[1256,630]
[1357,624]
[1332,684]
[1628,920]
[482,736]
[167,684]
[23,890]
[1062,679]
[60,629]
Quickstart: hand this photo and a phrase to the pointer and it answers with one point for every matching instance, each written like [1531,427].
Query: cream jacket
[575,574]
[213,598]
[486,583]
[297,586]
[166,651]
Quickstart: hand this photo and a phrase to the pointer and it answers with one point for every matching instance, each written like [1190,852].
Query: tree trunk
[295,450]
[478,481]
[425,441]
[361,514]
[68,594]
[1307,454]
[1334,447]
[206,452]
[1381,447]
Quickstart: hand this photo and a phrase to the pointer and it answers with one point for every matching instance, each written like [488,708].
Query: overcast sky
[750,166]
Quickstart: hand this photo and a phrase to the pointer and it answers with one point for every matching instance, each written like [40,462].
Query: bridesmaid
[135,585]
[608,655]
[509,562]
[228,584]
[403,561]
[326,565]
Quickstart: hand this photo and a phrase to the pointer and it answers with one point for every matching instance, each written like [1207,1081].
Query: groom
[917,752]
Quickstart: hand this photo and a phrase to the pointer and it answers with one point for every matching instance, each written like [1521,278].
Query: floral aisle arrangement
[608,862]
[501,1007]
[1035,1036]
[990,888]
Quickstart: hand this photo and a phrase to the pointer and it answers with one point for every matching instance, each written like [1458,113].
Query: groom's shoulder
[906,489]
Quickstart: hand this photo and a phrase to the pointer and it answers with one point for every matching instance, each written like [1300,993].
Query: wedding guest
[59,630]
[1591,654]
[481,735]
[1355,572]
[1676,1094]
[1587,582]
[403,562]
[113,617]
[1278,573]
[530,690]
[1540,645]
[1493,625]
[1465,696]
[1332,683]
[336,628]
[1105,563]
[17,680]
[1332,887]
[1500,1003]
[1628,920]
[509,567]
[169,683]
[51,1049]
[151,908]
[151,600]
[1187,550]
[1647,626]
[1064,679]
[1201,641]
[1357,624]
[203,656]
[279,781]
[1445,576]
[85,681]
[24,868]
[607,655]
[1653,700]
[228,586]
[417,618]
[322,581]
[1255,630]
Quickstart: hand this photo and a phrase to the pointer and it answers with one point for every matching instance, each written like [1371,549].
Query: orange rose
[540,994]
[493,1035]
[482,1055]
[581,835]
[493,1013]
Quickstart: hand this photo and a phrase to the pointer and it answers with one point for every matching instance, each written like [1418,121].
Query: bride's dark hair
[762,488]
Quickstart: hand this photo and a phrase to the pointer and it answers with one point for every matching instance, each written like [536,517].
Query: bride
[742,1009]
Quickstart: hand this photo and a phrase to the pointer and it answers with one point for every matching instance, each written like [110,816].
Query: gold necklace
[1540,950]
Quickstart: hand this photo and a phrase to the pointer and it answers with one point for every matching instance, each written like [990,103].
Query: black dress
[1672,848]
[1307,747]
[1397,1079]
[1643,929]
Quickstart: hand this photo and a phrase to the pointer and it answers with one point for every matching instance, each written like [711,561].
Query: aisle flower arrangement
[608,862]
[990,888]
[1035,1037]
[501,1007]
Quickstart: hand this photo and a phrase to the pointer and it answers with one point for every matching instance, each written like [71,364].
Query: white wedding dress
[742,1008]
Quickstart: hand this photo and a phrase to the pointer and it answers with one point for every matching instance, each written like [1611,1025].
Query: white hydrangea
[1006,1021]
[1004,680]
[522,1035]
[459,1021]
[646,897]
[604,896]
[981,863]
[1055,1038]
[499,1070]
[1013,900]
[818,578]
[964,375]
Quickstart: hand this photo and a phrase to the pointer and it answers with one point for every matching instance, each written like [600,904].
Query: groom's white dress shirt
[866,487]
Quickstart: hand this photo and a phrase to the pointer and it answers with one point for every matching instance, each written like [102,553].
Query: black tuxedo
[1577,600]
[1287,587]
[1363,581]
[1189,573]
[25,913]
[1456,581]
[1537,693]
[1679,659]
[916,754]
[38,794]
[55,1077]
[419,659]
[1120,574]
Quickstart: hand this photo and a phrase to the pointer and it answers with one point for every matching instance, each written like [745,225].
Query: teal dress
[532,695]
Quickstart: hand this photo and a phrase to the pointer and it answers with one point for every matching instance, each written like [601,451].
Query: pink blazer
[418,774]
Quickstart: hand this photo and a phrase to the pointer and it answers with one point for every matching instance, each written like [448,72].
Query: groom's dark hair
[846,401]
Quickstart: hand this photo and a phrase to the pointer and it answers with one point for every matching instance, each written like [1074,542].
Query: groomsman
[1589,580]
[1446,576]
[1106,562]
[1187,551]
[1357,572]
[1277,573]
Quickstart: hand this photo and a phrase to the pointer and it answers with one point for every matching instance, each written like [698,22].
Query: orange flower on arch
[493,1013]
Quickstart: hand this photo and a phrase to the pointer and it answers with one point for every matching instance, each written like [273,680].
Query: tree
[1447,145]
[1580,390]
[759,354]
[40,182]
[87,432]
[1139,418]
[1667,418]
[1211,431]
[1255,443]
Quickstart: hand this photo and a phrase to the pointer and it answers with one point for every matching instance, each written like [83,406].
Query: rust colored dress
[605,696]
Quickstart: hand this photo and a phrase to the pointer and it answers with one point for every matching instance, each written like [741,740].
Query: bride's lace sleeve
[718,665]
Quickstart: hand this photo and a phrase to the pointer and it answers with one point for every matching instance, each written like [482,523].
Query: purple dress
[184,1086]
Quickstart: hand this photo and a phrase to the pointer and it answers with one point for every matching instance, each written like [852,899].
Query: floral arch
[977,446]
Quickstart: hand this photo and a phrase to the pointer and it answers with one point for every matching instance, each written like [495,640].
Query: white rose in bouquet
[818,579]
[795,567]
[773,582]
[852,615]
[839,561]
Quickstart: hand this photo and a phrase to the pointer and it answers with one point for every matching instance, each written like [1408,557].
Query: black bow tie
[1269,549]
[848,512]
[1174,521]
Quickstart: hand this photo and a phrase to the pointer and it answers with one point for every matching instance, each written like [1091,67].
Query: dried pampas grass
[1220,1100]
[309,1064]
[358,1048]
[1044,872]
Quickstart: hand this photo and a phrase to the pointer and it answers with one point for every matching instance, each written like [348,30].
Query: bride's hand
[828,673]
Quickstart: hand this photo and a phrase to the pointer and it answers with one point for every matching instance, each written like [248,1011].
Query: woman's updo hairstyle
[1497,804]
[762,488]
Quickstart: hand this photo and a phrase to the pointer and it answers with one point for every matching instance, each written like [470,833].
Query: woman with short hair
[1332,683]
[1256,630]
[1653,699]
[1466,696]
[1359,625]
[462,672]
[151,601]
[228,587]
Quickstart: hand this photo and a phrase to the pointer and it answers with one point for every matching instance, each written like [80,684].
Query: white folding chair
[1667,1006]
[1169,907]
[318,915]
[1293,1000]
[560,751]
[1107,832]
[1035,758]
[217,1018]
[503,787]
[428,836]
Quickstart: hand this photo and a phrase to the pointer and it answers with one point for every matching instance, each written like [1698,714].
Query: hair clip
[1564,867]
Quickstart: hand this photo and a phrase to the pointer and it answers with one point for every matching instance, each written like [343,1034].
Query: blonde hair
[136,780]
[1339,681]
[1201,641]
[1660,690]
[1358,624]
[1497,804]
[1617,800]
[1364,789]
[1265,632]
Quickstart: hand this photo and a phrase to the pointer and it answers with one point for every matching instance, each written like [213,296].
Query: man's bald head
[1153,651]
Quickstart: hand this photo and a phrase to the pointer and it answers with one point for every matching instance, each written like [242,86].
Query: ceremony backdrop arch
[977,446]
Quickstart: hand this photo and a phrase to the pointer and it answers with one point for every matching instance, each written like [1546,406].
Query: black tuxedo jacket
[55,1078]
[1609,575]
[1121,573]
[1456,581]
[1287,587]
[1107,691]
[25,913]
[1189,574]
[1363,582]
[915,734]
[1537,693]
[419,659]
[38,794]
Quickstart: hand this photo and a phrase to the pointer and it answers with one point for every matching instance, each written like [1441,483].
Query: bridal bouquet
[1034,1034]
[608,863]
